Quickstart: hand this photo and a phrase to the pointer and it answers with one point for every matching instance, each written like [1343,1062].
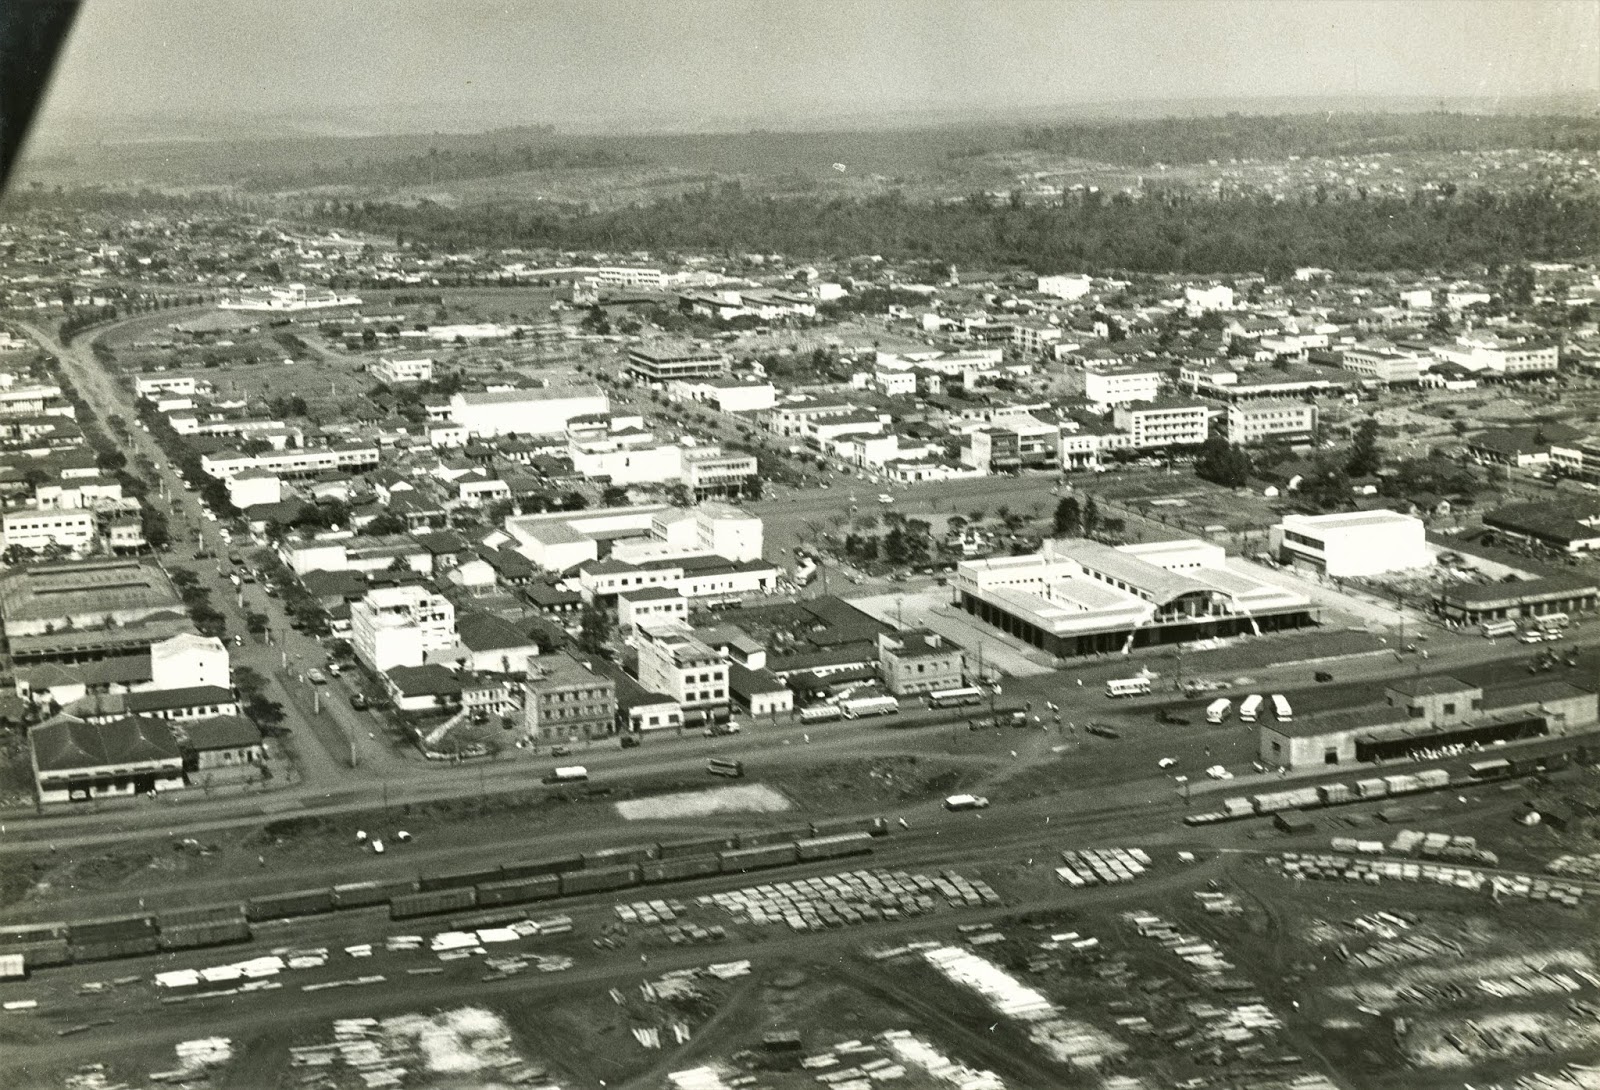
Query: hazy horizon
[174,69]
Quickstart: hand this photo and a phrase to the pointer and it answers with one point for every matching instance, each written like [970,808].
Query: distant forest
[1173,233]
[1179,140]
[440,165]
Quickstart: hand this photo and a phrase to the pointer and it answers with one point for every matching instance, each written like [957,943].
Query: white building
[630,277]
[253,488]
[188,660]
[397,370]
[673,662]
[1152,425]
[1200,300]
[1254,421]
[526,412]
[1351,545]
[1385,363]
[728,395]
[1484,352]
[302,462]
[1066,286]
[1417,299]
[151,385]
[400,626]
[1033,338]
[1109,387]
[560,541]
[36,529]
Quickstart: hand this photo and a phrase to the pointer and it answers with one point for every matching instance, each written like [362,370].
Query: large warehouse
[1476,603]
[1427,714]
[1351,544]
[1080,597]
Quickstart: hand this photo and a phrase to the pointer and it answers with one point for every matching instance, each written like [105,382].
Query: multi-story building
[1250,422]
[526,412]
[1013,447]
[1385,363]
[564,699]
[727,394]
[1483,352]
[1351,544]
[151,385]
[1066,286]
[662,365]
[919,661]
[630,277]
[1201,300]
[651,606]
[710,471]
[36,529]
[1153,425]
[1035,338]
[400,626]
[398,370]
[672,661]
[339,458]
[1108,387]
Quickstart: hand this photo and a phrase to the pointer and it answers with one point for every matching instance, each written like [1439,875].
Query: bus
[568,774]
[1249,708]
[1551,622]
[1491,769]
[955,698]
[723,766]
[820,713]
[1281,710]
[1218,709]
[1492,629]
[864,706]
[1128,686]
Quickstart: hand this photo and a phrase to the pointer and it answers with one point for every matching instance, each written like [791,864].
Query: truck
[866,706]
[568,774]
[966,802]
[1218,709]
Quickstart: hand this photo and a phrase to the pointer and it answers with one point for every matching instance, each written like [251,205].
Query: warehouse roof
[66,743]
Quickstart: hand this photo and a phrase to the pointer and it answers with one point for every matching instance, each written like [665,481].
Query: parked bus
[955,698]
[820,713]
[1551,622]
[1281,710]
[966,802]
[1492,629]
[1128,686]
[1250,708]
[568,774]
[1218,709]
[866,706]
[723,766]
[1490,769]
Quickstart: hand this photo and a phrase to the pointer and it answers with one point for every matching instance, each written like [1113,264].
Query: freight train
[64,943]
[1368,789]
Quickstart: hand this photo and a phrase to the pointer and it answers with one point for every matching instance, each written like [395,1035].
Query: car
[885,498]
[630,741]
[1103,731]
[560,751]
[361,836]
[1217,772]
[334,669]
[1529,637]
[377,847]
[403,837]
[1166,762]
[316,677]
[1322,675]
[358,702]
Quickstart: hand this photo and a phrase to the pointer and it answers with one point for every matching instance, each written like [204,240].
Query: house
[423,688]
[221,743]
[759,692]
[493,645]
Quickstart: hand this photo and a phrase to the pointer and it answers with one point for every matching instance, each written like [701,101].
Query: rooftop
[66,743]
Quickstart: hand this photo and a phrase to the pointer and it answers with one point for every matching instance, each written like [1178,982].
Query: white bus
[865,706]
[820,713]
[1128,686]
[1281,710]
[1249,708]
[1491,629]
[955,698]
[1218,709]
[1551,621]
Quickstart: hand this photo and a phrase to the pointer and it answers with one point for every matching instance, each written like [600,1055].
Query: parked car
[316,677]
[1323,675]
[630,741]
[358,702]
[560,751]
[1103,731]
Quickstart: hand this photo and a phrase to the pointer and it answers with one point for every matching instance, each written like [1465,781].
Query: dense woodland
[1172,234]
[1178,140]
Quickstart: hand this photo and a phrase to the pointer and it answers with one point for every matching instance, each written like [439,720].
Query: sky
[390,65]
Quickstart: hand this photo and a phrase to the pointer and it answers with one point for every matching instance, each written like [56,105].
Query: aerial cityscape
[686,570]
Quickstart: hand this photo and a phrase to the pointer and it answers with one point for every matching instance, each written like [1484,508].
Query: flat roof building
[1351,544]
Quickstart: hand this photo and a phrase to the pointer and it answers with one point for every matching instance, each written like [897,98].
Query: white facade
[399,626]
[1201,300]
[1153,425]
[188,660]
[150,385]
[1384,363]
[672,661]
[525,412]
[1252,421]
[291,463]
[710,528]
[728,396]
[1065,286]
[395,370]
[253,489]
[1489,355]
[1351,545]
[36,529]
[1108,389]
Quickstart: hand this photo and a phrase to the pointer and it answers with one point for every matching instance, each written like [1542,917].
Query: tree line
[1173,234]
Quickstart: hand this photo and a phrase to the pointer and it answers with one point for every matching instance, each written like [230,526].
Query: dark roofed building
[423,688]
[1571,526]
[222,742]
[1476,603]
[75,760]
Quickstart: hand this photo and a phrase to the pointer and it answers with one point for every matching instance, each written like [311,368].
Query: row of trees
[1116,234]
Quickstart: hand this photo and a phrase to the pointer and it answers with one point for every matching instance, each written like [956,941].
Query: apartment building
[565,699]
[709,471]
[340,458]
[919,661]
[1153,425]
[1108,387]
[1488,354]
[1249,422]
[400,626]
[1385,363]
[1012,447]
[36,529]
[1035,339]
[673,662]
